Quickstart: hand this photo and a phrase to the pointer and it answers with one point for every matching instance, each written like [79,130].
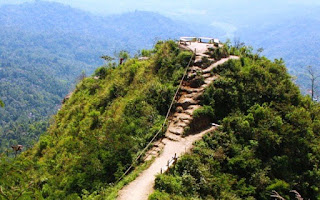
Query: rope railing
[163,124]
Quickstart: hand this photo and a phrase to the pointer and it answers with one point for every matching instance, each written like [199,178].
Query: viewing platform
[199,44]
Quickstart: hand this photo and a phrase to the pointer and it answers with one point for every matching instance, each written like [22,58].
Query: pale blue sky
[174,7]
[226,14]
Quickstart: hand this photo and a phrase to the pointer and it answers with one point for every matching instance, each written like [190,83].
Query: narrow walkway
[174,141]
[142,187]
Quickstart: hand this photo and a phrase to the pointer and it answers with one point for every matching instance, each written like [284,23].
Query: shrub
[218,53]
[169,184]
[157,195]
[101,72]
[202,118]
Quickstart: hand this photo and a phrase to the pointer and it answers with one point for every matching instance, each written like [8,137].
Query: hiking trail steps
[175,142]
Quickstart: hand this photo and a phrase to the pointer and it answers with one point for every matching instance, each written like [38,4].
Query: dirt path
[174,141]
[142,187]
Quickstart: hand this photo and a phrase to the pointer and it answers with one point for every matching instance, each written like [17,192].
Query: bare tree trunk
[313,77]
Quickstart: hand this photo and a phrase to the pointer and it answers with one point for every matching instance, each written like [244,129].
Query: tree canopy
[269,138]
[100,129]
[1,103]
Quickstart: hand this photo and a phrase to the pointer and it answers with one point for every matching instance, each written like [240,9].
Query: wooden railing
[170,163]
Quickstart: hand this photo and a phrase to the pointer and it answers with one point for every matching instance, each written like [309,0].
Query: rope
[163,124]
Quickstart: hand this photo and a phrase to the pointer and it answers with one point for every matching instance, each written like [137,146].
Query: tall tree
[1,103]
[313,76]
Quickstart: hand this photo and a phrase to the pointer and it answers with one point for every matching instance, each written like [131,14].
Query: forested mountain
[269,138]
[296,40]
[100,129]
[269,135]
[45,46]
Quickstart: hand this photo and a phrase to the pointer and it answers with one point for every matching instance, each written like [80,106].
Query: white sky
[173,7]
[226,14]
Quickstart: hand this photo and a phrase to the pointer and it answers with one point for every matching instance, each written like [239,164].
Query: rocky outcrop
[197,80]
[176,142]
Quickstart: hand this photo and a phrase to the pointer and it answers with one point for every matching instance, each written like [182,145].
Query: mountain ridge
[45,46]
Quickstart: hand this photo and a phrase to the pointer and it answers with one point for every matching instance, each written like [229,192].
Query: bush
[157,195]
[218,53]
[101,72]
[169,184]
[202,119]
[146,53]
[184,58]
[205,111]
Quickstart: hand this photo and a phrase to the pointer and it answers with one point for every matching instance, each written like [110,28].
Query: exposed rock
[198,62]
[179,109]
[191,109]
[143,58]
[191,90]
[206,75]
[181,124]
[186,102]
[173,137]
[177,130]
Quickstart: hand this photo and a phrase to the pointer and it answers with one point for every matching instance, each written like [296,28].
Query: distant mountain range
[297,41]
[45,46]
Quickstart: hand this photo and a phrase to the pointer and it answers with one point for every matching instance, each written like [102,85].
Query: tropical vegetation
[268,140]
[99,130]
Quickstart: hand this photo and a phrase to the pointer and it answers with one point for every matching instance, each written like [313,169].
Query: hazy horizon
[180,9]
[229,15]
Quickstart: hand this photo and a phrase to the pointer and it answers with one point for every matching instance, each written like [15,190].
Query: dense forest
[295,40]
[98,131]
[268,139]
[269,134]
[45,46]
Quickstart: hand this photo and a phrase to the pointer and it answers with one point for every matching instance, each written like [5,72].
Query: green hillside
[98,131]
[269,139]
[45,46]
[296,40]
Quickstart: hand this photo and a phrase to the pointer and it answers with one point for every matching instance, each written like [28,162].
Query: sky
[228,15]
[176,7]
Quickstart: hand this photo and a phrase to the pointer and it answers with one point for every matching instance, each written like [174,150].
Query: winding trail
[175,142]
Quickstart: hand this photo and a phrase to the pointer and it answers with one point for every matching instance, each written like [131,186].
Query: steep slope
[97,133]
[143,185]
[175,143]
[295,40]
[269,138]
[45,46]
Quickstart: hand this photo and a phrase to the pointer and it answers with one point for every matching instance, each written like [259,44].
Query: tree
[260,50]
[313,76]
[107,58]
[237,43]
[123,56]
[1,103]
[82,76]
